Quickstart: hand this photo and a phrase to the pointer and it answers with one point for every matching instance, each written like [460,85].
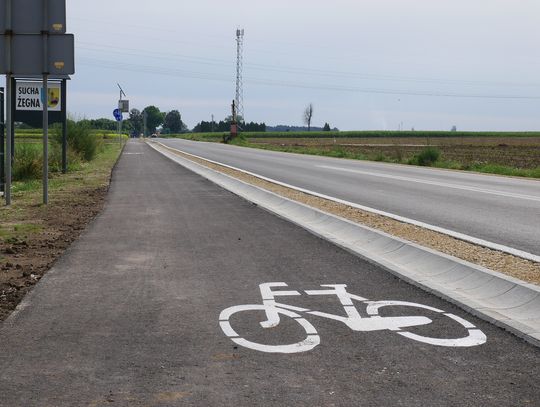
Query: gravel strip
[508,264]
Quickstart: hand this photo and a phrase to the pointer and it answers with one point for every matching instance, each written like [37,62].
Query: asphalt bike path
[453,200]
[181,293]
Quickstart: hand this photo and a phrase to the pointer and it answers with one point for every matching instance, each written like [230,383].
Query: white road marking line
[436,183]
[461,236]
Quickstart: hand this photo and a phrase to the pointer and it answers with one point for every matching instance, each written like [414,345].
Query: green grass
[12,233]
[26,186]
[28,163]
[37,135]
[84,174]
[504,170]
[214,137]
[83,145]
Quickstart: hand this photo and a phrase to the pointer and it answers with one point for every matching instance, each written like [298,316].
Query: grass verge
[33,235]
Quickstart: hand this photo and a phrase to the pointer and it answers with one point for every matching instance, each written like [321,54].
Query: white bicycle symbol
[373,322]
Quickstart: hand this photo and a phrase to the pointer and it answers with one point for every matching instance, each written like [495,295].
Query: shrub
[379,156]
[81,139]
[239,140]
[28,162]
[427,157]
[55,159]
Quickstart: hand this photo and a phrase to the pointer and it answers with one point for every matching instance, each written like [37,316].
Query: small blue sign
[117,115]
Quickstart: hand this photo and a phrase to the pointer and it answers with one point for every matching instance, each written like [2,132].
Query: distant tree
[239,119]
[255,127]
[225,126]
[308,115]
[326,127]
[101,124]
[203,127]
[127,127]
[173,122]
[454,128]
[136,120]
[154,118]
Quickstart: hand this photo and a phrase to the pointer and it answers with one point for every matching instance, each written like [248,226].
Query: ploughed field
[460,152]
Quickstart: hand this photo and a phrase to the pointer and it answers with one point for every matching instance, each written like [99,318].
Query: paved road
[129,315]
[497,209]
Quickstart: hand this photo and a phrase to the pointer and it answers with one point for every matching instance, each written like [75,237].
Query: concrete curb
[502,300]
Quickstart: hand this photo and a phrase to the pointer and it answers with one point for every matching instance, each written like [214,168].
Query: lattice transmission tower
[239,71]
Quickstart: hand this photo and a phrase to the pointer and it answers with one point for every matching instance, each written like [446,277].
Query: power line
[297,70]
[266,82]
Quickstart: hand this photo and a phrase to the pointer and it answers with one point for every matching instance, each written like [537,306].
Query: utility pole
[212,123]
[239,100]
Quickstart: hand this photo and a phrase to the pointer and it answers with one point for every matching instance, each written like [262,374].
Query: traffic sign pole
[45,101]
[9,112]
[9,125]
[64,126]
[46,140]
[2,141]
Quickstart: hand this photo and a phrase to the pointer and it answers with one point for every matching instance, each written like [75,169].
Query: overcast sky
[364,64]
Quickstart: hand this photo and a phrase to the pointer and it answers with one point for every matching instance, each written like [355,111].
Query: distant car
[153,135]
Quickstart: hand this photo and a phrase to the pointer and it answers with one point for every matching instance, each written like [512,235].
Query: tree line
[171,123]
[168,123]
[225,125]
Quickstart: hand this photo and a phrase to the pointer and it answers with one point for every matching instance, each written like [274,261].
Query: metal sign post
[46,140]
[2,141]
[64,126]
[45,38]
[9,131]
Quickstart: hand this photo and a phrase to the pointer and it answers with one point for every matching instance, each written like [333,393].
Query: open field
[466,153]
[515,154]
[369,134]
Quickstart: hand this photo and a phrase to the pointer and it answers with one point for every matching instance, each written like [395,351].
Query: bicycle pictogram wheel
[311,340]
[474,335]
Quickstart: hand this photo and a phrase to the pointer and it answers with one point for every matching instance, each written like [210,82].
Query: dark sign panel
[27,16]
[3,55]
[27,54]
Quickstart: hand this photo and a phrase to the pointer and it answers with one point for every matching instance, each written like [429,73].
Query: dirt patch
[514,266]
[26,257]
